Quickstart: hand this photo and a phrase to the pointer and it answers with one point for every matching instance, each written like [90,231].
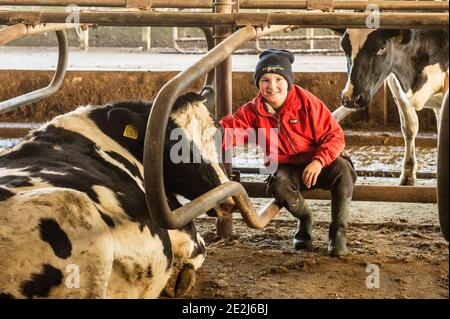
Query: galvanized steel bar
[18,31]
[224,103]
[344,5]
[362,173]
[112,3]
[388,20]
[209,36]
[54,85]
[342,112]
[244,4]
[370,193]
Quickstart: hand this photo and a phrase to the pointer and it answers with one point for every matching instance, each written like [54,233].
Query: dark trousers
[286,184]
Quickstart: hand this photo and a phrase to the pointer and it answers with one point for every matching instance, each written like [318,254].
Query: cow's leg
[410,126]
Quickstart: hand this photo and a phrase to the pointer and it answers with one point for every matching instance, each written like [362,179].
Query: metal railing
[243,4]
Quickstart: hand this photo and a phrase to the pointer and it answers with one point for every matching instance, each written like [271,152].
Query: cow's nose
[345,100]
[225,207]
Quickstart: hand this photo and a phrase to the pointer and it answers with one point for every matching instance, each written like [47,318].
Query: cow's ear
[400,36]
[210,95]
[126,123]
[404,37]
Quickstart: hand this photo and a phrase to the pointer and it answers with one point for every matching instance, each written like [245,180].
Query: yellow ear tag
[398,38]
[130,132]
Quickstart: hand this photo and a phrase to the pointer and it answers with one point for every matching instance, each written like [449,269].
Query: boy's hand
[311,172]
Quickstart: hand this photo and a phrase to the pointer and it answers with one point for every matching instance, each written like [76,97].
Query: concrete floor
[121,59]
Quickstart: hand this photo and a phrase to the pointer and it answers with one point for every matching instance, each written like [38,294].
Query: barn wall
[87,87]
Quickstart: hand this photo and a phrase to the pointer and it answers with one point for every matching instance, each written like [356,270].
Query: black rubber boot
[340,212]
[303,236]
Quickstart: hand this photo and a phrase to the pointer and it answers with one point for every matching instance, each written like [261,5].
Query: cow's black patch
[41,283]
[149,272]
[51,232]
[113,126]
[15,181]
[107,219]
[6,295]
[131,167]
[5,194]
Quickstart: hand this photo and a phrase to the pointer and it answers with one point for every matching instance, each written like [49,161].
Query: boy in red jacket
[310,142]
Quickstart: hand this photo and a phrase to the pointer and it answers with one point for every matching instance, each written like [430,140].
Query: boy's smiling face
[274,89]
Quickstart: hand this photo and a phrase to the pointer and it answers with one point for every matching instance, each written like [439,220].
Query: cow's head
[191,148]
[370,57]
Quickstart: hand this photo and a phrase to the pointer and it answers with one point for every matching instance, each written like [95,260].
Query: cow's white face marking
[199,128]
[357,39]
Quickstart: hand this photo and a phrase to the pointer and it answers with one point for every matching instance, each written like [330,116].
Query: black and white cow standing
[73,216]
[415,64]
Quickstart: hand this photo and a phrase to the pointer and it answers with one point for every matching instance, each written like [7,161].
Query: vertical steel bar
[223,101]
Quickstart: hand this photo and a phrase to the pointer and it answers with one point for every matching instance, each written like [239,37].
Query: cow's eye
[381,51]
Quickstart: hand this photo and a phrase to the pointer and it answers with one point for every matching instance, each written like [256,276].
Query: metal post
[83,37]
[310,34]
[245,4]
[223,102]
[146,38]
[388,20]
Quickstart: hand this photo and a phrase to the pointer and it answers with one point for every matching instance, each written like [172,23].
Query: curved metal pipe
[342,112]
[54,85]
[154,144]
[208,87]
[209,81]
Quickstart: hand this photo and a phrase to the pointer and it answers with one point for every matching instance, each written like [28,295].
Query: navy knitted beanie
[275,61]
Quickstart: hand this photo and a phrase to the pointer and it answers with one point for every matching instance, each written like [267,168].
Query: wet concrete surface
[107,59]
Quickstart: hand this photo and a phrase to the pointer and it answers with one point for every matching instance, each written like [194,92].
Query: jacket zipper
[283,129]
[285,133]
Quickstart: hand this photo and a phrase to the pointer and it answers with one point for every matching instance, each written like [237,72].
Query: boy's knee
[344,169]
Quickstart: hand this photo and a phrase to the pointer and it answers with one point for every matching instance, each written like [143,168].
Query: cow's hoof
[185,282]
[169,289]
[180,283]
[407,181]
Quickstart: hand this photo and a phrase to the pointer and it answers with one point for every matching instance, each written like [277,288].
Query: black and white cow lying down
[73,216]
[415,64]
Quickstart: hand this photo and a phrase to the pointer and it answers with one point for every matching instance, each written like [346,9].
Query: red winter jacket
[306,128]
